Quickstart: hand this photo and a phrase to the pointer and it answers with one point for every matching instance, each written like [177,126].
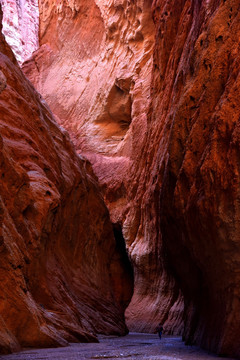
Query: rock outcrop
[158,119]
[195,121]
[21,26]
[94,69]
[62,273]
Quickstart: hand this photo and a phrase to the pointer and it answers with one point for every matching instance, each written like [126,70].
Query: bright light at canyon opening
[21,26]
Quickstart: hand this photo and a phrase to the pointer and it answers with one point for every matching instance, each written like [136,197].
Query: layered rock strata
[95,56]
[195,121]
[94,69]
[62,273]
[21,26]
[162,135]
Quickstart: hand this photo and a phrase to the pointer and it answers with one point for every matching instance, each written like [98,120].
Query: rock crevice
[148,91]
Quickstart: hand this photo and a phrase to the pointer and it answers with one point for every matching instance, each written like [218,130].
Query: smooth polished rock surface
[154,105]
[62,272]
[94,68]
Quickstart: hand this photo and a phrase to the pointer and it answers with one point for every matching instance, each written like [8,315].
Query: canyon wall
[21,26]
[195,120]
[149,93]
[95,56]
[94,69]
[63,273]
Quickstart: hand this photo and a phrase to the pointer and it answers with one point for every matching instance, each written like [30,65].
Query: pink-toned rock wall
[95,56]
[94,69]
[62,273]
[21,26]
[155,109]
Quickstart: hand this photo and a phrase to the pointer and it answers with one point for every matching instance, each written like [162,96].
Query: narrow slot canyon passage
[119,168]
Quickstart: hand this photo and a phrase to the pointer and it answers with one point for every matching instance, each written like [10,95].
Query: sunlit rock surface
[21,26]
[62,275]
[94,69]
[153,104]
[96,55]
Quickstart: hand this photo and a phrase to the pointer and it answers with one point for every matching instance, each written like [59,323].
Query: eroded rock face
[162,135]
[194,121]
[94,55]
[21,26]
[97,56]
[62,272]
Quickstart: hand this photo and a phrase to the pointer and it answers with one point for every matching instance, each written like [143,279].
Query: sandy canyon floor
[134,346]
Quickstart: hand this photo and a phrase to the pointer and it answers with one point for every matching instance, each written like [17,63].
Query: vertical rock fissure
[102,92]
[154,107]
[128,272]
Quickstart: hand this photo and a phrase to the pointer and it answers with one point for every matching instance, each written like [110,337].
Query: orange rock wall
[194,120]
[155,110]
[97,56]
[62,273]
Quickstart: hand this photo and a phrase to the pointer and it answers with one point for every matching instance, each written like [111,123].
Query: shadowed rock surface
[195,120]
[171,189]
[149,91]
[62,272]
[97,56]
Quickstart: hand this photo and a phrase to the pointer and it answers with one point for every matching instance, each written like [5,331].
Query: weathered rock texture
[162,134]
[21,26]
[195,121]
[94,69]
[190,163]
[95,55]
[62,272]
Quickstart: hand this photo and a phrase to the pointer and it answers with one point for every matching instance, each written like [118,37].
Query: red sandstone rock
[171,177]
[194,119]
[94,69]
[95,55]
[21,26]
[62,272]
